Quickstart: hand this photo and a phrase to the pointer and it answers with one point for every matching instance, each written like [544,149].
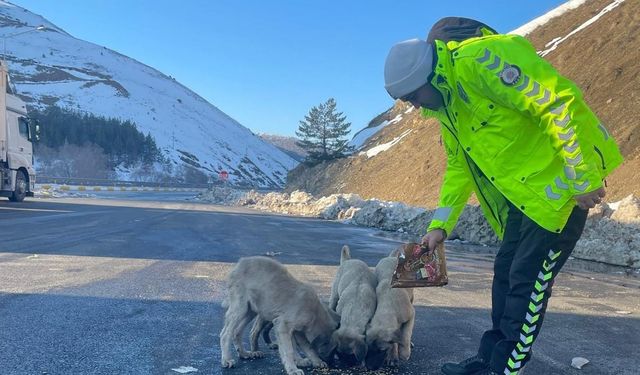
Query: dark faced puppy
[375,358]
[382,348]
[348,360]
[351,349]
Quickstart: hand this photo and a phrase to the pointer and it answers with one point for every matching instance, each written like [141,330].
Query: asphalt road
[107,286]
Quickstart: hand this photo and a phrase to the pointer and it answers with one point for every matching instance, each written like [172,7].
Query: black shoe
[469,366]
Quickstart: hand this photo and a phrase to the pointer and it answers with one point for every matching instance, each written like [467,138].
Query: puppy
[261,286]
[390,330]
[353,297]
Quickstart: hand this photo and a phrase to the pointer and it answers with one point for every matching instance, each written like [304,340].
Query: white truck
[17,176]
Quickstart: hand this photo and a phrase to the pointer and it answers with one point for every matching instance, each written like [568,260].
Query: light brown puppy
[261,286]
[353,297]
[390,330]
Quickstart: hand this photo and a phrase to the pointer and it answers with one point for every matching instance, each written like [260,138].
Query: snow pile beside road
[348,207]
[222,195]
[333,207]
[393,216]
[612,232]
[473,227]
[55,191]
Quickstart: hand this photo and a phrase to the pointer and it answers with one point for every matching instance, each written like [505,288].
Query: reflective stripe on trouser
[525,267]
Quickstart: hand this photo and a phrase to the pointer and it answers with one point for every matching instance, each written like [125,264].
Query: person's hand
[589,200]
[433,238]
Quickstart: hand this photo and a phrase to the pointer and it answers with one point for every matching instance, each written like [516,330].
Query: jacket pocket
[547,182]
[486,131]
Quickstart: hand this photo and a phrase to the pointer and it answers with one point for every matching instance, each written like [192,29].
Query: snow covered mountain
[51,67]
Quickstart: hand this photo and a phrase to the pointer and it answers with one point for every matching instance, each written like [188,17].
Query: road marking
[32,209]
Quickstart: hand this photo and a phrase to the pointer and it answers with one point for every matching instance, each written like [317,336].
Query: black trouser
[524,270]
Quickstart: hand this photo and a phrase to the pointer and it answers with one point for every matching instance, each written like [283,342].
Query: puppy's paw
[273,346]
[303,362]
[392,362]
[228,363]
[320,364]
[255,354]
[295,372]
[405,353]
[392,359]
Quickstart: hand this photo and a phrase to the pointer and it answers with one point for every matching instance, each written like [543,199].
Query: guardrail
[115,183]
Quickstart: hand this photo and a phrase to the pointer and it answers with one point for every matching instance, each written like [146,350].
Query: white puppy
[261,286]
[390,330]
[353,297]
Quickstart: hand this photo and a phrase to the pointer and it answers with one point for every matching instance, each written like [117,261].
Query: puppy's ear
[345,254]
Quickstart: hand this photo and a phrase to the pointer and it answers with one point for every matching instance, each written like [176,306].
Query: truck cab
[17,176]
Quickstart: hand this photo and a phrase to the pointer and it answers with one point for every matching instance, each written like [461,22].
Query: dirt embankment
[602,59]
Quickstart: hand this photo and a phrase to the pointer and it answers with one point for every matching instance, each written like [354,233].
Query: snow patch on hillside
[528,27]
[554,43]
[361,137]
[385,146]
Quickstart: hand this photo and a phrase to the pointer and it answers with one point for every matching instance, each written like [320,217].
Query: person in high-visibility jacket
[521,137]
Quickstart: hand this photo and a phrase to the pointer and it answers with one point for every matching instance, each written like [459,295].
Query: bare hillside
[286,144]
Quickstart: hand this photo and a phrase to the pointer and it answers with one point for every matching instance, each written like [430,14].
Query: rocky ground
[612,234]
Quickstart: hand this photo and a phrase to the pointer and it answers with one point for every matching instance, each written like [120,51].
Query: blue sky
[266,63]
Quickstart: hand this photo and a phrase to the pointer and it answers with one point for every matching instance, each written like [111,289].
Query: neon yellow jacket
[514,128]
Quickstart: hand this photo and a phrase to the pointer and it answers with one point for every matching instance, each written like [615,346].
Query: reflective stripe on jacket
[514,128]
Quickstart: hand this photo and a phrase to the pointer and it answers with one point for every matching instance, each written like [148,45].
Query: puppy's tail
[345,254]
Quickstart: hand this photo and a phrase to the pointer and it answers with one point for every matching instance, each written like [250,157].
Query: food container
[419,267]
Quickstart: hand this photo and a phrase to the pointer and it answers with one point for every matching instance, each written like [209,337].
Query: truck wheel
[21,188]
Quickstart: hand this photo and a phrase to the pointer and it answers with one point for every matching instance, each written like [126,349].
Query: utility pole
[5,37]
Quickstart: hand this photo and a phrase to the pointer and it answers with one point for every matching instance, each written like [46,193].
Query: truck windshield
[23,127]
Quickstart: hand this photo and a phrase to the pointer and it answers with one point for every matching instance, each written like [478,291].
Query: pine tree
[322,132]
